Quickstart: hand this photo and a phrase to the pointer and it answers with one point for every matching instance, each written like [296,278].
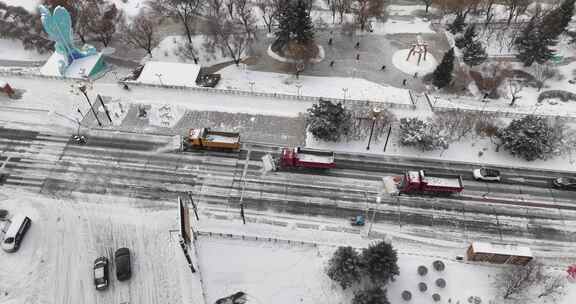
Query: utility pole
[375,113]
[387,137]
[242,213]
[105,108]
[83,88]
[188,259]
[193,205]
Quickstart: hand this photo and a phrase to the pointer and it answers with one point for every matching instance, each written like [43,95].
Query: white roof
[453,182]
[78,69]
[170,73]
[507,249]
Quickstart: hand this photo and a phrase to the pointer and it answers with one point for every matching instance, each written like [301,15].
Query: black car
[122,260]
[101,273]
[568,183]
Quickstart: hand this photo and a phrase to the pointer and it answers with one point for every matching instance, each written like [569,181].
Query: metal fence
[255,238]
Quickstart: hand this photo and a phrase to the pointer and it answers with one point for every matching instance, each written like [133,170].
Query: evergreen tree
[534,45]
[294,22]
[458,24]
[555,22]
[442,75]
[380,262]
[328,121]
[465,40]
[421,134]
[531,137]
[344,267]
[374,295]
[475,54]
[303,27]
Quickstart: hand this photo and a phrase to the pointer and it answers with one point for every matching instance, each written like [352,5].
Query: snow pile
[168,73]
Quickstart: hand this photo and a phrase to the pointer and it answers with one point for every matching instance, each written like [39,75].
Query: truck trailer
[419,182]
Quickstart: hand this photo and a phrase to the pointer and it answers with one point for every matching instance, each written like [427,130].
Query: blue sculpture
[58,26]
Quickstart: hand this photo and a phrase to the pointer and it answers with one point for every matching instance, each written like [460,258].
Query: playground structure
[419,48]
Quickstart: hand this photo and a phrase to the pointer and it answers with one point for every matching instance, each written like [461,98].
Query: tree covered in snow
[474,54]
[421,134]
[374,295]
[531,137]
[457,26]
[328,121]
[294,22]
[467,38]
[18,24]
[442,75]
[380,263]
[533,44]
[556,20]
[344,267]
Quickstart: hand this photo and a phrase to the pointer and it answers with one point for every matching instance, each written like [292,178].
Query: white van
[18,225]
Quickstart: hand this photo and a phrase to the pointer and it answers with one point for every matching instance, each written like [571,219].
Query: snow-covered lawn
[167,51]
[14,50]
[54,263]
[237,78]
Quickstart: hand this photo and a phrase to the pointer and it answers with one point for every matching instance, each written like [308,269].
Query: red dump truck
[419,182]
[292,158]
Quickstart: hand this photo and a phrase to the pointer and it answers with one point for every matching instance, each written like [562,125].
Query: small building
[6,88]
[499,253]
[90,66]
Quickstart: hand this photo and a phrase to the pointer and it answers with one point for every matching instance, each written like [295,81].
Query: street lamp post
[83,89]
[252,83]
[344,91]
[299,87]
[159,78]
[375,114]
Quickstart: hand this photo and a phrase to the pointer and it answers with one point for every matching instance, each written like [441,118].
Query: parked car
[17,227]
[487,174]
[101,273]
[122,260]
[567,183]
[3,214]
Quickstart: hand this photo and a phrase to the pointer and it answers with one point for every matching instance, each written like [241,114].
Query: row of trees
[376,266]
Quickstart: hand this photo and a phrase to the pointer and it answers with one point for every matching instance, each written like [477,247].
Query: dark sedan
[101,273]
[122,260]
[567,183]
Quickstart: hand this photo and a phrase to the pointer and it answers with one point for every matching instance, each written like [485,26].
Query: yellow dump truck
[204,138]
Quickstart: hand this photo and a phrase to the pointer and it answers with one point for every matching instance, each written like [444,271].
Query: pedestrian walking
[358,57]
[357,45]
[404,82]
[330,41]
[332,63]
[383,68]
[415,75]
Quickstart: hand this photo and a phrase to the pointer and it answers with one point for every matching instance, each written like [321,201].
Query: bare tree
[364,9]
[553,286]
[516,280]
[456,124]
[516,8]
[228,35]
[515,87]
[488,6]
[333,7]
[268,8]
[186,11]
[142,32]
[243,9]
[105,26]
[229,4]
[214,7]
[542,73]
[428,3]
[343,6]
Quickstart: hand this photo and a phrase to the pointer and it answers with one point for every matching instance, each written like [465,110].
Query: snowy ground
[14,50]
[54,264]
[167,51]
[283,272]
[236,78]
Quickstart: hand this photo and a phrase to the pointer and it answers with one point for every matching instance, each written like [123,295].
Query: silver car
[487,175]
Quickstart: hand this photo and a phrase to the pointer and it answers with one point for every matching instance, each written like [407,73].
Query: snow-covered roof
[453,182]
[170,73]
[78,69]
[505,249]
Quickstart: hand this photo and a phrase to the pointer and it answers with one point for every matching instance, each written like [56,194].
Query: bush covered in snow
[328,121]
[562,95]
[344,267]
[375,295]
[380,262]
[531,137]
[421,134]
